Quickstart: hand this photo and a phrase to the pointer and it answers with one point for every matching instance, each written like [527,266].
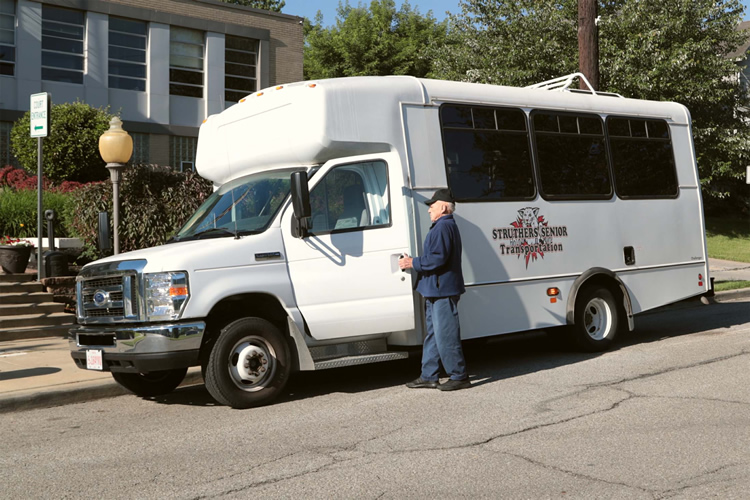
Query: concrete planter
[14,259]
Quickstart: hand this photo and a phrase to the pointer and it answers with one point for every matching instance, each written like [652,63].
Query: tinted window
[642,158]
[127,54]
[572,156]
[487,153]
[240,70]
[7,37]
[186,62]
[62,44]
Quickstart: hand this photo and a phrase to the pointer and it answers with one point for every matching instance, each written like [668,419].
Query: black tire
[249,364]
[152,383]
[597,319]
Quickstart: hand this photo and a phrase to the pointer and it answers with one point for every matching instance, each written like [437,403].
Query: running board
[360,360]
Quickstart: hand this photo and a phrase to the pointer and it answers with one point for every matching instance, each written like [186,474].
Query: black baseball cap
[441,195]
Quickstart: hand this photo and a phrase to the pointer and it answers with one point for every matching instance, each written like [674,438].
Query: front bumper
[139,349]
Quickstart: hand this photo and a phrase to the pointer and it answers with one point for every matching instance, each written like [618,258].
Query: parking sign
[39,108]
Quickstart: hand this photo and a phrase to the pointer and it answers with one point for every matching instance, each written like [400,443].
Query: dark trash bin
[55,263]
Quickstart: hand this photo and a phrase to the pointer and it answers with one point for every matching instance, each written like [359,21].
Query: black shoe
[423,384]
[454,385]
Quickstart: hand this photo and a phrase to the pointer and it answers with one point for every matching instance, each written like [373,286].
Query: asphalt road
[664,415]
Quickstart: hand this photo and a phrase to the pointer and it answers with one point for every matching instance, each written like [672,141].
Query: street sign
[39,108]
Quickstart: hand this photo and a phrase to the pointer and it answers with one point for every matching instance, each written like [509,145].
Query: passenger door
[345,273]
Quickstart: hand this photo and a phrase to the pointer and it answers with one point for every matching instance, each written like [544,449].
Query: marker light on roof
[312,85]
[242,100]
[259,94]
[279,87]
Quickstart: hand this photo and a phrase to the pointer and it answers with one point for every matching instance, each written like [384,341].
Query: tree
[378,40]
[71,150]
[516,42]
[274,5]
[672,50]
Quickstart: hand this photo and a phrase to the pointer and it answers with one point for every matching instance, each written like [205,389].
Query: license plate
[94,360]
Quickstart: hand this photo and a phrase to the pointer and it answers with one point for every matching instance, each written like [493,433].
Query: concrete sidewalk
[37,373]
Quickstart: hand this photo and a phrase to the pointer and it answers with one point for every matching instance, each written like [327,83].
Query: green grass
[723,286]
[728,238]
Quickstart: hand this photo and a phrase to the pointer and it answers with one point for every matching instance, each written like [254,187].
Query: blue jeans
[443,341]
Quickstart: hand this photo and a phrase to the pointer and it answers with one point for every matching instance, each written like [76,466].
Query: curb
[740,293]
[77,392]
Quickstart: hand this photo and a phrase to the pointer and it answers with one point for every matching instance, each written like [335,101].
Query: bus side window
[487,153]
[642,157]
[571,155]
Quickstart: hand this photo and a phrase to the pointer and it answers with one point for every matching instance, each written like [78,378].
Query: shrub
[18,212]
[155,203]
[71,151]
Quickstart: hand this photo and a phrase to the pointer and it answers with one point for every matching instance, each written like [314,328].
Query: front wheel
[249,364]
[152,383]
[596,320]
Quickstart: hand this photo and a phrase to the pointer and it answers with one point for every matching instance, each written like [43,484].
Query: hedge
[155,203]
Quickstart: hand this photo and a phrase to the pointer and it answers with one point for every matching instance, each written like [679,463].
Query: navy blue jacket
[439,268]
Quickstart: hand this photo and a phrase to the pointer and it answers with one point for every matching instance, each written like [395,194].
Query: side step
[360,360]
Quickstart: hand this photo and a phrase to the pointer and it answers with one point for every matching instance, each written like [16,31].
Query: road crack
[578,475]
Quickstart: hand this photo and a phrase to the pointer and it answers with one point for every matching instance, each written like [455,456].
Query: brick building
[163,65]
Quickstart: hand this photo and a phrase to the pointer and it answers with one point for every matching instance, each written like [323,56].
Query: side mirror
[103,233]
[300,204]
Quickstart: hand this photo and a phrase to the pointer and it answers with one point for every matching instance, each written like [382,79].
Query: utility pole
[588,42]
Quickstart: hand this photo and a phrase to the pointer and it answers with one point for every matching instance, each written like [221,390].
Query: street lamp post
[116,148]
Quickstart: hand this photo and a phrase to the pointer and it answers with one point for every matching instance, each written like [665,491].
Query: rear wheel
[152,383]
[596,319]
[249,364]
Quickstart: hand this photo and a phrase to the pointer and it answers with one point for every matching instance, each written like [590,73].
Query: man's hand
[405,262]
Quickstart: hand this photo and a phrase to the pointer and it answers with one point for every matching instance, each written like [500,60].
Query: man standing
[441,282]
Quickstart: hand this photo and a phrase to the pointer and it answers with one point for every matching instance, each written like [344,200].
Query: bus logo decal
[529,236]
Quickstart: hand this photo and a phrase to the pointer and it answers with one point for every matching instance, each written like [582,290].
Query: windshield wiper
[214,232]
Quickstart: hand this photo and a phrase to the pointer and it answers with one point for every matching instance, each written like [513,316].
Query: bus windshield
[246,205]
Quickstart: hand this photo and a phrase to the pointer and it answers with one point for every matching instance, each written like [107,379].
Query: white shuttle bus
[575,208]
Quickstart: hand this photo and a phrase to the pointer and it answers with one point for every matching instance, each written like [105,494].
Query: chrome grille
[105,313]
[116,295]
[104,282]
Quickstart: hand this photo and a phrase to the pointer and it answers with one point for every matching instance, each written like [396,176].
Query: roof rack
[564,83]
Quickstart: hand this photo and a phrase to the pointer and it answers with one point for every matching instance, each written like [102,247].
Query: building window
[6,157]
[127,54]
[141,144]
[240,67]
[7,37]
[182,152]
[62,44]
[185,62]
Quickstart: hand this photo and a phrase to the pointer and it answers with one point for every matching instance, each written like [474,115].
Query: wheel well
[232,308]
[604,278]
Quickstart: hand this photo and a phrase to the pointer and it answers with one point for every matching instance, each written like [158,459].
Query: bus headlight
[166,295]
